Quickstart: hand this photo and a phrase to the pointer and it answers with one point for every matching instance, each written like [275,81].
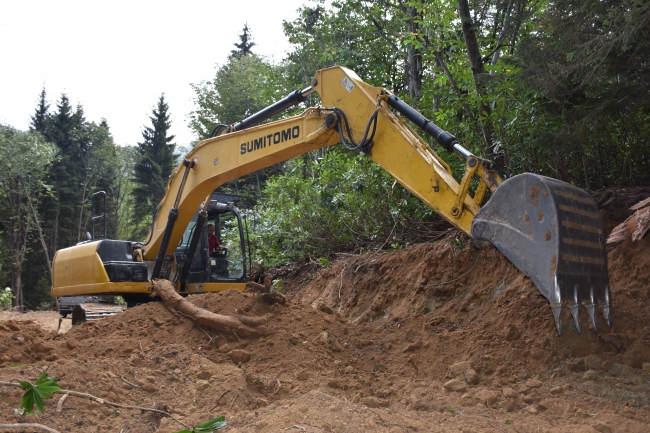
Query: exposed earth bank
[437,337]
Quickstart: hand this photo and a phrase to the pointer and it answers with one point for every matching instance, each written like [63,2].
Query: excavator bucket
[552,232]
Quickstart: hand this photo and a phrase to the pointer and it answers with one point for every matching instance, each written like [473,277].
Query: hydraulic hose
[444,138]
[293,98]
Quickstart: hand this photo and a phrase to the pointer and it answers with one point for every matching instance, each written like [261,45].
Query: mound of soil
[437,337]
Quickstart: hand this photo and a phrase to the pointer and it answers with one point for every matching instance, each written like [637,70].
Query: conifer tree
[86,162]
[245,43]
[39,119]
[157,160]
[66,174]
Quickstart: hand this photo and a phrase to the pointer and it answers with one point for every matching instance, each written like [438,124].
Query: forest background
[560,88]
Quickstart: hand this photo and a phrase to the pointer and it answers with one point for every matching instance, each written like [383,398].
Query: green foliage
[344,34]
[39,121]
[459,243]
[25,158]
[86,162]
[101,164]
[39,296]
[208,427]
[5,298]
[241,87]
[588,64]
[44,387]
[121,207]
[154,165]
[341,201]
[74,138]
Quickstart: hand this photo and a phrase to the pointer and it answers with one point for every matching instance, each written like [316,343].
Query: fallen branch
[296,426]
[28,425]
[233,402]
[240,325]
[59,406]
[133,385]
[106,402]
[219,399]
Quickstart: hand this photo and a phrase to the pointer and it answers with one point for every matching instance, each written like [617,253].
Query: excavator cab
[227,261]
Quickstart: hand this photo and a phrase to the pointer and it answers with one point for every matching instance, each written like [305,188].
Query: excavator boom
[549,229]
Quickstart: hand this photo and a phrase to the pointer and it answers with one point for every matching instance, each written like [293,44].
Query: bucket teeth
[606,307]
[590,306]
[575,312]
[591,310]
[557,314]
[606,312]
[553,233]
[574,308]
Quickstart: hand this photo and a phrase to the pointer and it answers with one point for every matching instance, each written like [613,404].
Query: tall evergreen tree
[157,160]
[39,119]
[66,174]
[87,162]
[245,43]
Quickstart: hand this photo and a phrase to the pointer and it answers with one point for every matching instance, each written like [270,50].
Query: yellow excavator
[550,230]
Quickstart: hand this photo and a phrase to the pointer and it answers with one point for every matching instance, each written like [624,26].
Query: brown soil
[46,319]
[431,338]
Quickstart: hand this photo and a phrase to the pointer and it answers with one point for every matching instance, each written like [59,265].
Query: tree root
[243,326]
[269,293]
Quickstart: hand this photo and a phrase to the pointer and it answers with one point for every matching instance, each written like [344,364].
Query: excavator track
[91,311]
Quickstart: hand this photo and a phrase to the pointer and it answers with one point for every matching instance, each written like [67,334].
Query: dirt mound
[435,337]
[47,319]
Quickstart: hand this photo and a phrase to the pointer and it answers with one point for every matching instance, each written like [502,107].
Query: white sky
[116,57]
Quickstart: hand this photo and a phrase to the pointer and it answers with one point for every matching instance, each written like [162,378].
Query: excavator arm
[349,107]
[549,229]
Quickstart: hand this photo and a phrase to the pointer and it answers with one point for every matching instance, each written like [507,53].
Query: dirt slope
[432,338]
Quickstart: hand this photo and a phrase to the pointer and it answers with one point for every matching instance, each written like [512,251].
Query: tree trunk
[454,86]
[502,35]
[17,241]
[40,234]
[81,209]
[57,211]
[478,74]
[414,65]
